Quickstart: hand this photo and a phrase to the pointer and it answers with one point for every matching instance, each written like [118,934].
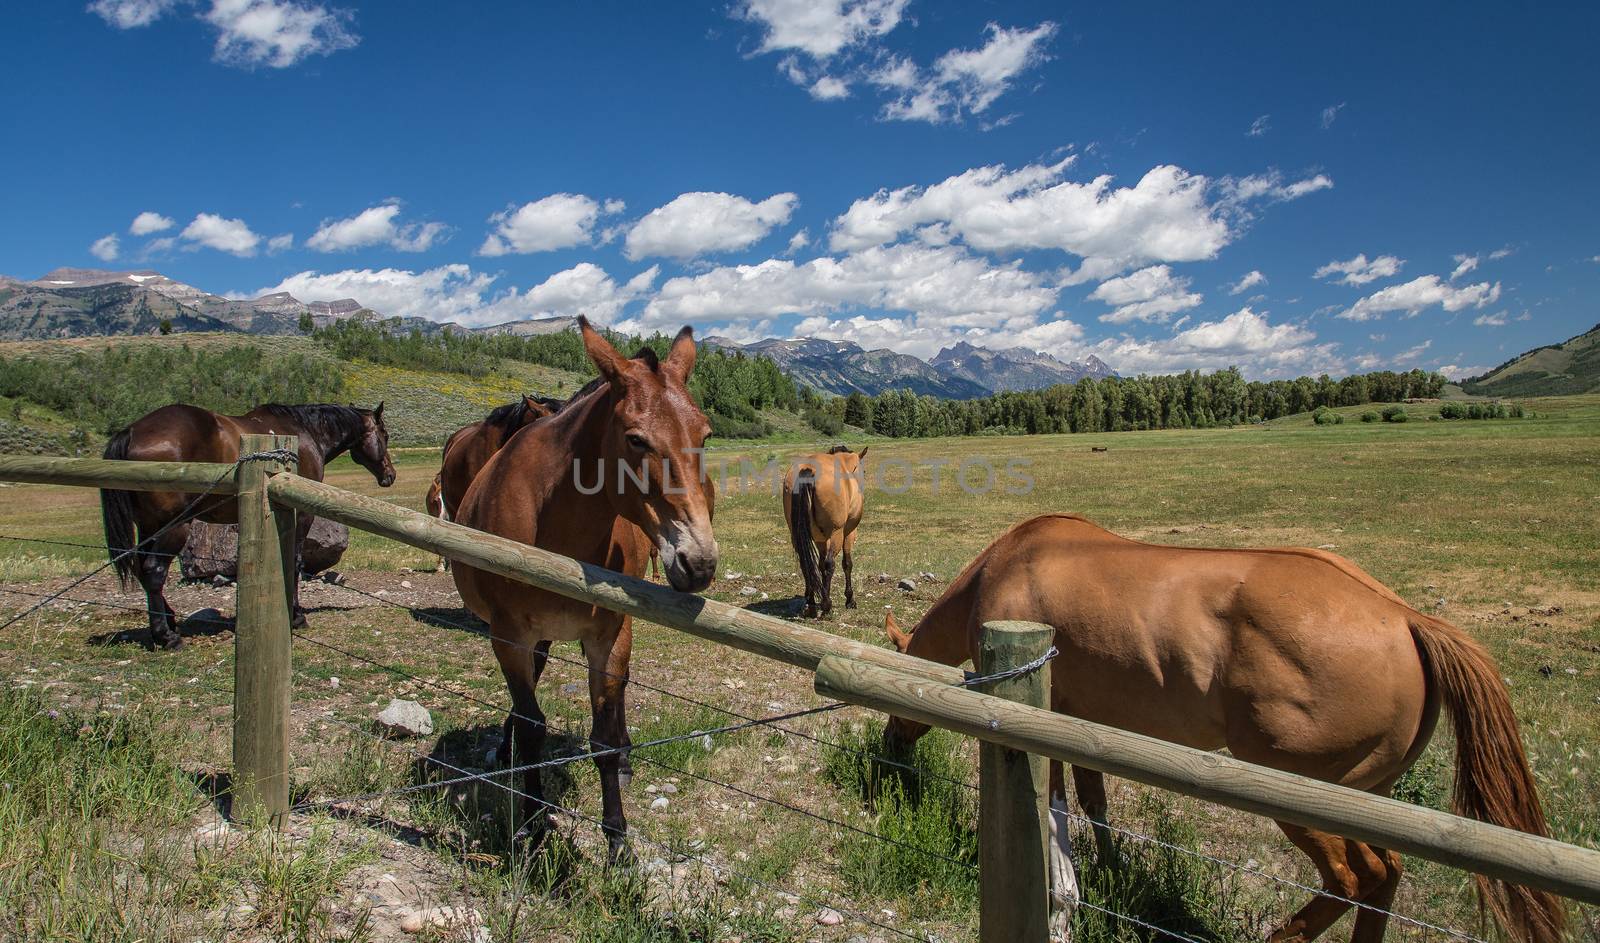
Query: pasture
[113,751]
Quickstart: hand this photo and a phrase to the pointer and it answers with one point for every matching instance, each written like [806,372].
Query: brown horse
[469,448]
[183,433]
[1290,658]
[822,501]
[617,470]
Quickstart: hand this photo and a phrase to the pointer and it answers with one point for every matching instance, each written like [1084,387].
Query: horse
[1290,658]
[469,448]
[822,502]
[184,433]
[615,471]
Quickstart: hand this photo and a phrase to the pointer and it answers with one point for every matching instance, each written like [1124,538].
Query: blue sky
[1419,189]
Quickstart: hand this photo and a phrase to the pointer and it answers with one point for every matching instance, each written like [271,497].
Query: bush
[1395,414]
[1324,416]
[824,422]
[1452,411]
[1369,416]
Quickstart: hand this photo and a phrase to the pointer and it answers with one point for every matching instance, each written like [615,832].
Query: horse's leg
[829,551]
[541,656]
[528,732]
[607,655]
[1090,785]
[1064,891]
[849,570]
[1349,869]
[302,526]
[1370,924]
[152,566]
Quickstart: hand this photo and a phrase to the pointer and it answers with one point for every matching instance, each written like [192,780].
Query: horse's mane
[330,422]
[841,448]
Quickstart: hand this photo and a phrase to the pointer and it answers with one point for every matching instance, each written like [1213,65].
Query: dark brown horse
[617,470]
[183,433]
[469,448]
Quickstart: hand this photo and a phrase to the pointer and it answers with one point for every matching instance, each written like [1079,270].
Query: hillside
[1570,367]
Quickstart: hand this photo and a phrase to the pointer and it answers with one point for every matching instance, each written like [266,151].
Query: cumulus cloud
[131,14]
[1490,320]
[558,221]
[106,248]
[1469,262]
[280,243]
[1260,126]
[1167,216]
[148,222]
[224,235]
[1270,186]
[250,33]
[820,28]
[699,223]
[1459,372]
[1244,339]
[1419,293]
[375,226]
[964,81]
[942,286]
[798,241]
[1250,280]
[457,293]
[1151,294]
[1361,270]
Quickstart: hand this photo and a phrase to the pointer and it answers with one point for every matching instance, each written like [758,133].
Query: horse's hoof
[166,641]
[849,603]
[621,853]
[299,620]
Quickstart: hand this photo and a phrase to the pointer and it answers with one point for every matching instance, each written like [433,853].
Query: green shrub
[1395,414]
[824,422]
[1369,416]
[1452,411]
[1324,416]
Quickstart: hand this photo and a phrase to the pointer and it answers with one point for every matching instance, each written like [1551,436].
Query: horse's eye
[637,442]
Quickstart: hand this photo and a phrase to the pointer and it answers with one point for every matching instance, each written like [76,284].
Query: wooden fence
[1010,719]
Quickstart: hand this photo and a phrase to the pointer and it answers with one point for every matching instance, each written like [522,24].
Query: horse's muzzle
[689,560]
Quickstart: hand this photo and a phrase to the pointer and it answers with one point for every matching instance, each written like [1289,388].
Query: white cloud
[699,223]
[1490,320]
[962,81]
[820,28]
[1419,293]
[1166,217]
[941,286]
[1464,264]
[280,243]
[829,88]
[1457,372]
[798,241]
[1410,355]
[1361,270]
[277,33]
[911,336]
[1330,114]
[131,14]
[106,248]
[224,235]
[1270,186]
[374,226]
[1150,294]
[147,222]
[457,293]
[1250,280]
[558,221]
[1260,126]
[1244,339]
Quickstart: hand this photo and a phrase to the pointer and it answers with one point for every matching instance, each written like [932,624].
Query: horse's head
[371,450]
[846,461]
[899,734]
[651,455]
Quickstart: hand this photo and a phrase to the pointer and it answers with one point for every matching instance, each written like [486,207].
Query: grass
[1497,519]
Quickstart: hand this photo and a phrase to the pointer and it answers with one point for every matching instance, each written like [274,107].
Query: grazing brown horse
[1290,658]
[822,501]
[469,448]
[615,471]
[183,433]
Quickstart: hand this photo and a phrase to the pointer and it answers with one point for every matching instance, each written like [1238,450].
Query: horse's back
[177,432]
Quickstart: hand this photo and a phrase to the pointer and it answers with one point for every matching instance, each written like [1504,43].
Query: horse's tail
[116,510]
[1493,782]
[802,507]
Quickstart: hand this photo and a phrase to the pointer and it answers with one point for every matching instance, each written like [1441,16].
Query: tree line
[732,388]
[1190,400]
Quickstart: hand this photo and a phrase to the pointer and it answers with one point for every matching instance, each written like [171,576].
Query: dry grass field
[111,753]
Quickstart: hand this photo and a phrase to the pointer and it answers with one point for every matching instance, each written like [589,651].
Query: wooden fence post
[1013,798]
[261,638]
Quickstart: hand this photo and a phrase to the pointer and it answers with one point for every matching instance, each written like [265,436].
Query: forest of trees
[1191,400]
[732,388]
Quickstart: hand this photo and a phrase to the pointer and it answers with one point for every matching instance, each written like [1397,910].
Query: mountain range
[71,302]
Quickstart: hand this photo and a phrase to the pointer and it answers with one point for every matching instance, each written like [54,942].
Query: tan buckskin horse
[822,501]
[183,433]
[617,470]
[1290,658]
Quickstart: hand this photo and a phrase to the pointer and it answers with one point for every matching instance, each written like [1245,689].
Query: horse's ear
[862,457]
[901,640]
[534,406]
[681,358]
[606,358]
[378,413]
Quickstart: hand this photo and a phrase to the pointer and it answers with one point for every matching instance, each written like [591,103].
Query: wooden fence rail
[848,670]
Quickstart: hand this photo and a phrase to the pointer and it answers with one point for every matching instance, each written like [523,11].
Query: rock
[884,578]
[443,918]
[333,578]
[672,790]
[211,550]
[1326,546]
[1546,671]
[333,682]
[733,574]
[928,577]
[749,591]
[828,917]
[659,804]
[218,834]
[572,687]
[406,718]
[907,585]
[324,545]
[220,580]
[405,584]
